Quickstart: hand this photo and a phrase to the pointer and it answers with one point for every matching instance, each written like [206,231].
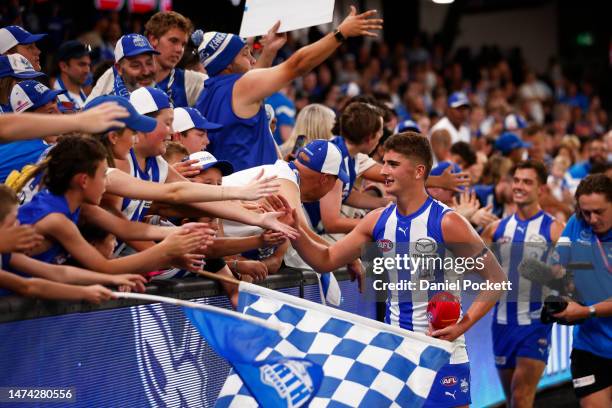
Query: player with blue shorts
[416,223]
[520,341]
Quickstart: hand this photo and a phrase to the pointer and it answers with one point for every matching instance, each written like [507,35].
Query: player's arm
[489,231]
[226,246]
[258,84]
[36,125]
[44,289]
[72,275]
[464,242]
[332,219]
[556,228]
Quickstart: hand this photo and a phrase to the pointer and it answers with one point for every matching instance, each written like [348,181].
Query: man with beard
[134,68]
[74,65]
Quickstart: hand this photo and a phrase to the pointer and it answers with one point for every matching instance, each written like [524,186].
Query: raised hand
[453,181]
[19,238]
[260,187]
[101,118]
[484,216]
[255,269]
[355,25]
[467,204]
[356,271]
[273,41]
[186,169]
[181,242]
[273,238]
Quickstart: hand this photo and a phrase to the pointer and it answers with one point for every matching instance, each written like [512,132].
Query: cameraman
[586,238]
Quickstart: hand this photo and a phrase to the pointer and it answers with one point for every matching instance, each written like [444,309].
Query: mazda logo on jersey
[448,381]
[425,245]
[385,245]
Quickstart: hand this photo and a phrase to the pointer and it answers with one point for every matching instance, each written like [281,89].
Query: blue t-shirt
[245,143]
[15,155]
[43,204]
[284,110]
[579,244]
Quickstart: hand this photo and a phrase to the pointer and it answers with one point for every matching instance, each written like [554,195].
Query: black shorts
[590,372]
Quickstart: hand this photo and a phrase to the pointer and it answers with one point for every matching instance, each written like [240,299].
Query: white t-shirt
[280,169]
[461,135]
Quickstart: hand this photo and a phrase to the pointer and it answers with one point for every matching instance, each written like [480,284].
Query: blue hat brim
[27,75]
[141,51]
[33,38]
[225,167]
[141,123]
[47,97]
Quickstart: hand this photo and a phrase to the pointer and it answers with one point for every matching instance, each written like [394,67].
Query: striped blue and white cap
[323,157]
[11,36]
[17,66]
[190,118]
[30,95]
[149,99]
[131,45]
[407,126]
[217,50]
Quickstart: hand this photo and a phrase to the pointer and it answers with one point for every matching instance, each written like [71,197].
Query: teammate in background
[233,95]
[407,163]
[587,238]
[520,341]
[74,65]
[15,40]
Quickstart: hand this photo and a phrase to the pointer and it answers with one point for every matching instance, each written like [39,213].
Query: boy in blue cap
[15,40]
[13,68]
[512,146]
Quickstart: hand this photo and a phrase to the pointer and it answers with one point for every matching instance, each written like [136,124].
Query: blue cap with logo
[190,118]
[216,50]
[407,126]
[11,36]
[135,121]
[17,66]
[30,95]
[458,99]
[508,142]
[206,160]
[131,45]
[324,157]
[148,99]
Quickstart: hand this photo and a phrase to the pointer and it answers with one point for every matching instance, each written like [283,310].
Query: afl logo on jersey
[385,245]
[425,245]
[504,240]
[448,381]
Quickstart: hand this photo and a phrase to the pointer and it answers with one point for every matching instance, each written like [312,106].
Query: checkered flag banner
[365,363]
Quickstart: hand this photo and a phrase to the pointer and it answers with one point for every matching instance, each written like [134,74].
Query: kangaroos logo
[290,380]
[448,381]
[385,245]
[171,358]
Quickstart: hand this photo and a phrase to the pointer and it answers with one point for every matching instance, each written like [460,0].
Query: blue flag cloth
[273,381]
[365,363]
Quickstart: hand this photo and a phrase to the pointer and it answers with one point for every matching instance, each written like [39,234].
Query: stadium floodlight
[443,1]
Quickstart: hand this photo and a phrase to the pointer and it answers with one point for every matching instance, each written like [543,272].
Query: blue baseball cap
[206,160]
[514,122]
[442,166]
[324,157]
[131,45]
[407,126]
[458,99]
[190,118]
[149,99]
[11,36]
[17,66]
[217,50]
[135,121]
[508,142]
[30,95]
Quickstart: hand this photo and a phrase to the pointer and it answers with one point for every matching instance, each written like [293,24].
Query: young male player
[415,218]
